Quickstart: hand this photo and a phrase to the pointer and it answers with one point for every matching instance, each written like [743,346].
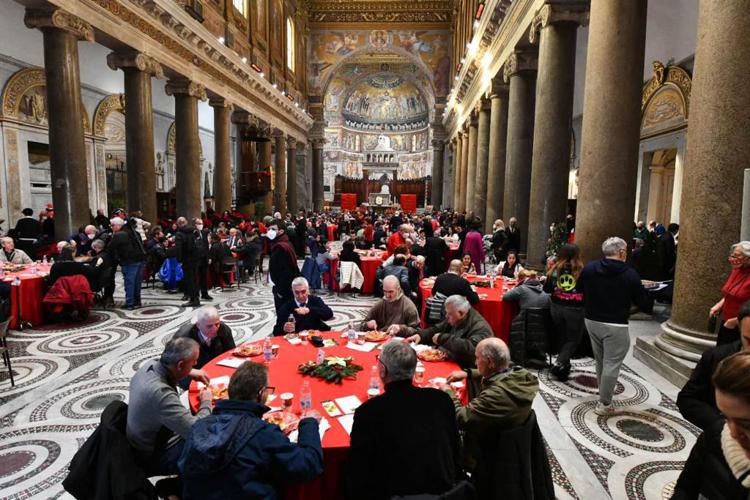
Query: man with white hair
[11,254]
[610,287]
[213,336]
[308,311]
[126,248]
[457,335]
[83,240]
[393,309]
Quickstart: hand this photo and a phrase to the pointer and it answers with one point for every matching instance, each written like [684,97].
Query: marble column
[438,150]
[187,145]
[280,172]
[244,160]
[464,169]
[479,201]
[612,124]
[139,128]
[265,163]
[497,152]
[291,175]
[457,158]
[471,168]
[317,174]
[222,155]
[718,146]
[302,192]
[61,32]
[555,27]
[520,73]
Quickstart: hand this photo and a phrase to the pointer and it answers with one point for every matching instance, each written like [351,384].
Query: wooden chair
[229,271]
[4,349]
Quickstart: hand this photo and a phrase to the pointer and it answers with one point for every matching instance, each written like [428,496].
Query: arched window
[290,43]
[240,5]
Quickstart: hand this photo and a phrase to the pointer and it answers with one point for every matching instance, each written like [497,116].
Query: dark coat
[609,288]
[233,453]
[219,345]
[452,284]
[185,243]
[459,341]
[513,239]
[434,255]
[282,265]
[105,467]
[28,227]
[126,247]
[319,312]
[404,441]
[697,399]
[71,268]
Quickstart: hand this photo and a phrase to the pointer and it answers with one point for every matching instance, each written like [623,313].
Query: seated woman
[65,265]
[69,296]
[349,255]
[528,331]
[511,267]
[467,266]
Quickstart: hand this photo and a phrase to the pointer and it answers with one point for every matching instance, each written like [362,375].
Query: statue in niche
[385,189]
[384,142]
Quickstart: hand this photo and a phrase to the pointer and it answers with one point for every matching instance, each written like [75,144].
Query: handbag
[435,308]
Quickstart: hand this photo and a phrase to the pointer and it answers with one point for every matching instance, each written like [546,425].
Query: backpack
[435,308]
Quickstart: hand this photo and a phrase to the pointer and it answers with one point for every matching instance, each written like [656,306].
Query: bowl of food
[249,350]
[286,420]
[375,336]
[432,355]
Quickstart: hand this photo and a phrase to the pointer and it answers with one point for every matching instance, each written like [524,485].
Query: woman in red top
[736,291]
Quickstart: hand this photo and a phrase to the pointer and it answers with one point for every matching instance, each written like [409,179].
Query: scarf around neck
[736,458]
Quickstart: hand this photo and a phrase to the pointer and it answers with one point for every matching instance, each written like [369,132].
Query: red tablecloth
[368,268]
[331,228]
[26,298]
[284,377]
[498,314]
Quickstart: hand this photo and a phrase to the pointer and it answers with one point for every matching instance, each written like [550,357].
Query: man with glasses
[213,338]
[233,453]
[309,312]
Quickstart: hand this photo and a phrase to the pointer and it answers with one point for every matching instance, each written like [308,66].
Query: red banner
[348,201]
[409,203]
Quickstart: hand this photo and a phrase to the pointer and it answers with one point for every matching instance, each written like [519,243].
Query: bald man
[393,309]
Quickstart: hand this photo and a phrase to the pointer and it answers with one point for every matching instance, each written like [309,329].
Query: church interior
[535,110]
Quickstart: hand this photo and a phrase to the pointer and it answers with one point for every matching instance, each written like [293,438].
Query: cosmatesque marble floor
[66,375]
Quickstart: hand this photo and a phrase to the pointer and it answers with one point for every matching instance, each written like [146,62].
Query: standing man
[282,265]
[201,247]
[609,287]
[513,235]
[187,254]
[127,249]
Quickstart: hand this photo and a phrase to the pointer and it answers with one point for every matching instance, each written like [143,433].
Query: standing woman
[734,293]
[567,305]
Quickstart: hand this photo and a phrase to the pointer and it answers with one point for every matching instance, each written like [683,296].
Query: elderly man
[83,240]
[213,337]
[393,309]
[398,238]
[420,448]
[126,248]
[157,422]
[504,399]
[308,311]
[609,287]
[11,254]
[253,456]
[458,335]
[452,283]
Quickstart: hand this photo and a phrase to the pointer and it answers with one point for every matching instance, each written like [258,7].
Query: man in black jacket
[435,249]
[451,283]
[126,247]
[417,453]
[309,311]
[201,250]
[187,254]
[513,234]
[697,399]
[282,265]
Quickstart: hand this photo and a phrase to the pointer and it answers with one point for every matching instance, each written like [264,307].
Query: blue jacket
[233,453]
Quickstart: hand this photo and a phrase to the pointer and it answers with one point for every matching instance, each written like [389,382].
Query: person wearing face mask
[83,240]
[282,265]
[734,293]
[719,463]
[201,248]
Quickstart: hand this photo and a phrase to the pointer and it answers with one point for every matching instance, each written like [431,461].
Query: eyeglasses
[269,389]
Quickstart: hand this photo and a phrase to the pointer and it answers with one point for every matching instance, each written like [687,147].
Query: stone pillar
[302,193]
[471,168]
[70,195]
[438,150]
[187,145]
[280,172]
[611,128]
[464,170]
[555,26]
[291,175]
[718,146]
[479,201]
[139,128]
[223,154]
[265,163]
[520,73]
[244,160]
[457,171]
[317,174]
[497,152]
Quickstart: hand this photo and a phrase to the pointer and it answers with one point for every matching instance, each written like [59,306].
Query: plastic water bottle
[492,279]
[305,397]
[321,356]
[34,269]
[291,320]
[351,333]
[44,260]
[374,378]
[267,350]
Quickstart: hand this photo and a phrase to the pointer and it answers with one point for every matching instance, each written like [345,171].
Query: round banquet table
[331,228]
[369,265]
[498,314]
[26,298]
[283,376]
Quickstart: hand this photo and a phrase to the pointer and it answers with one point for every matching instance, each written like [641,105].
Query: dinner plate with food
[218,392]
[287,421]
[249,350]
[432,355]
[375,336]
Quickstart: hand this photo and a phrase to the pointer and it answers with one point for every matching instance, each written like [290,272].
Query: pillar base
[675,370]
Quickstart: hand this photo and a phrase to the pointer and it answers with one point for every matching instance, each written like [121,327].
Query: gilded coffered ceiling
[323,12]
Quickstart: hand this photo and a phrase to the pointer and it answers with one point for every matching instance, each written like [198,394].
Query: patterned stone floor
[65,376]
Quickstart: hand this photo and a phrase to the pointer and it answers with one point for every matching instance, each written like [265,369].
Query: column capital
[137,60]
[438,144]
[555,13]
[519,61]
[220,102]
[483,104]
[46,18]
[317,143]
[498,88]
[184,86]
[240,117]
[291,142]
[276,133]
[473,120]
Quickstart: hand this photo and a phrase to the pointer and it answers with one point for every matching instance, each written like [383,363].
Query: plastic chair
[4,349]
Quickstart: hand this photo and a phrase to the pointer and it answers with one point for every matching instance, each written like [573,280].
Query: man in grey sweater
[158,423]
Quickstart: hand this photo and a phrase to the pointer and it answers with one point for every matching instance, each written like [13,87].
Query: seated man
[697,399]
[213,337]
[399,270]
[452,283]
[309,311]
[157,422]
[233,453]
[503,402]
[458,335]
[420,450]
[10,254]
[393,309]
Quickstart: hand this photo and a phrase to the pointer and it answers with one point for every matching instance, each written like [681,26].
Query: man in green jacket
[503,402]
[458,335]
